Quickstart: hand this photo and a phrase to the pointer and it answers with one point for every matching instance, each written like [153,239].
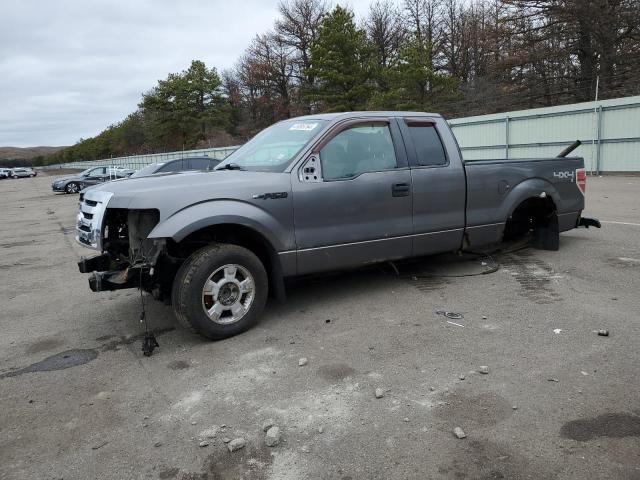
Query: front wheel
[220,291]
[72,187]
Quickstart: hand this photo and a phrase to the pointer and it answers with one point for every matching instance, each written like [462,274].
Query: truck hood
[172,192]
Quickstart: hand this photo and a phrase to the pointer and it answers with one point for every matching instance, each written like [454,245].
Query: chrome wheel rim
[72,188]
[228,293]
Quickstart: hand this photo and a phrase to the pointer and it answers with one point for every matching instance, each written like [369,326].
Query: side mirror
[311,170]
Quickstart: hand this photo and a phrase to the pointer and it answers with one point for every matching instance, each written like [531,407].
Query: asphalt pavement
[78,400]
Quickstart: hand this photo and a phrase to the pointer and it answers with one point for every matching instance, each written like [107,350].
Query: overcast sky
[70,68]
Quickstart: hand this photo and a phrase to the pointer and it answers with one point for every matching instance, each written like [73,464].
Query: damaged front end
[129,259]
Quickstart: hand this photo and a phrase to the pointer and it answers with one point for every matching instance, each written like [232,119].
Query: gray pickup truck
[312,194]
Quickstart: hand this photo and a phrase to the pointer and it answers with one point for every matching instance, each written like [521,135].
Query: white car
[5,173]
[23,172]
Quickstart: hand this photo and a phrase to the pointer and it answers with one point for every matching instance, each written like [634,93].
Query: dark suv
[179,165]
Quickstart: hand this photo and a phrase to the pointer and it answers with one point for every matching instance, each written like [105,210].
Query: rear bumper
[589,222]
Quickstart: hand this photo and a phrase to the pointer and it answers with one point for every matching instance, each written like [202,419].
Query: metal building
[609,131]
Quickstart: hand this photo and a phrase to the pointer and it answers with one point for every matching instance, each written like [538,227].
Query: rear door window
[429,149]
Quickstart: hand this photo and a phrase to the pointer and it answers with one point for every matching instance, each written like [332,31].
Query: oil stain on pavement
[612,425]
[59,361]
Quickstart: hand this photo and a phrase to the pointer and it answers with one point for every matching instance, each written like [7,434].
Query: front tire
[220,291]
[72,187]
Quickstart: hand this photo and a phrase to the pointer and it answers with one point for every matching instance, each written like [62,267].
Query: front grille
[90,220]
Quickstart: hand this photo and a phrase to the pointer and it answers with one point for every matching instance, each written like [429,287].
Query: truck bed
[496,187]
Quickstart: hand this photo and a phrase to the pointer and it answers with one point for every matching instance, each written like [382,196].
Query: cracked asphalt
[78,400]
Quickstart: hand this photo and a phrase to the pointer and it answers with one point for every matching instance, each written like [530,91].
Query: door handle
[400,189]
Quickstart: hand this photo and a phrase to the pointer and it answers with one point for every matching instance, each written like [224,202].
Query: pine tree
[340,62]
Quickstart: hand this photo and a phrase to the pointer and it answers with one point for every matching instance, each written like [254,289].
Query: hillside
[26,153]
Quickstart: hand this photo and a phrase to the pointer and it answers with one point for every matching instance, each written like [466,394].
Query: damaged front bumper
[102,279]
[153,276]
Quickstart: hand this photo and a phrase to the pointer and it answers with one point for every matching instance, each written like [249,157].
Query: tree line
[454,57]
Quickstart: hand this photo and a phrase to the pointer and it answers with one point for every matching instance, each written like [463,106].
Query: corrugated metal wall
[608,129]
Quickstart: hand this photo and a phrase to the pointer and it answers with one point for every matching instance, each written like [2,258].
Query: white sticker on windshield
[305,127]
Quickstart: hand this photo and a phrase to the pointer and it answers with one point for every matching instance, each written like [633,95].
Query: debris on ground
[484,317]
[320,429]
[305,449]
[553,380]
[456,324]
[268,423]
[557,330]
[302,362]
[157,444]
[236,444]
[603,333]
[459,433]
[226,440]
[96,447]
[450,315]
[204,443]
[406,419]
[209,433]
[379,393]
[272,438]
[515,407]
[484,369]
[461,377]
[194,423]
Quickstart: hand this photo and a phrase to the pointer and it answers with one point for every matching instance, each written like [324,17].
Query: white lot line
[621,223]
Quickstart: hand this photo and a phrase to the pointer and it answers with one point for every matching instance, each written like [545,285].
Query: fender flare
[217,212]
[530,188]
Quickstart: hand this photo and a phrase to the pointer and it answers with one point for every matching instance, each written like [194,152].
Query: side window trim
[412,152]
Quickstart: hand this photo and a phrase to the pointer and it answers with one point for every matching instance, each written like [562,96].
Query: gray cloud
[70,68]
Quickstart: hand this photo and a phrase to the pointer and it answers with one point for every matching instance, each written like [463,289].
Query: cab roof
[364,114]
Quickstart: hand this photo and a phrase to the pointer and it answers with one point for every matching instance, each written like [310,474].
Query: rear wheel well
[531,215]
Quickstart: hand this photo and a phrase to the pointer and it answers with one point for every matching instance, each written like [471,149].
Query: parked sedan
[23,172]
[179,165]
[91,176]
[5,173]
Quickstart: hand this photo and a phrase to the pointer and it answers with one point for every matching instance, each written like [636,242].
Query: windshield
[272,149]
[148,170]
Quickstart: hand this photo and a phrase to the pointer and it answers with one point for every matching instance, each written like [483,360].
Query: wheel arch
[537,215]
[243,236]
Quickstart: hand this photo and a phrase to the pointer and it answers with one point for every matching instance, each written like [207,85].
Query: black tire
[187,292]
[72,187]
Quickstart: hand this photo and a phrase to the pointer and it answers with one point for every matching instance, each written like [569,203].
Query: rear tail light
[581,180]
